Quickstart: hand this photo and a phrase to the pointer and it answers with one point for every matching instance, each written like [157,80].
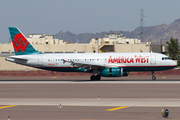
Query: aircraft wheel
[92,77]
[153,77]
[98,77]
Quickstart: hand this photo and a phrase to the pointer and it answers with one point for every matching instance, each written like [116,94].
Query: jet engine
[113,72]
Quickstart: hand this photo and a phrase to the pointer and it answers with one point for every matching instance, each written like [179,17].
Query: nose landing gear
[153,76]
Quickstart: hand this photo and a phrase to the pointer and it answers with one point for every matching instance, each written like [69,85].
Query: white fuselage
[127,61]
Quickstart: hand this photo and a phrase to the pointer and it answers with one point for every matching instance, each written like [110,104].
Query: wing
[90,65]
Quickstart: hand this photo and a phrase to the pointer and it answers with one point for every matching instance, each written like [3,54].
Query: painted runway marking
[7,106]
[117,108]
[54,77]
[163,77]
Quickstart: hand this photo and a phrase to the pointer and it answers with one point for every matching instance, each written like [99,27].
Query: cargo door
[153,59]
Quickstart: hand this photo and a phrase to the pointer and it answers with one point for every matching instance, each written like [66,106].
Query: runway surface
[87,78]
[137,98]
[86,113]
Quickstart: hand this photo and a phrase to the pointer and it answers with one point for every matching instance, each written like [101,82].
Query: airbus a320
[99,64]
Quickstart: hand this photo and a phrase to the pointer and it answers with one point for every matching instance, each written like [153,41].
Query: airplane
[99,64]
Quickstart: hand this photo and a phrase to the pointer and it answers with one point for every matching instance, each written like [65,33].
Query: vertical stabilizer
[20,43]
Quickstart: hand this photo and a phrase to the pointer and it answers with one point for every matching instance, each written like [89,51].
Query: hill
[151,33]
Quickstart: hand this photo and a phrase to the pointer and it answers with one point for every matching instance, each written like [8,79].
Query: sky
[83,16]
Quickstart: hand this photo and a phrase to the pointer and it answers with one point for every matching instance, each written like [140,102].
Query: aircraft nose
[173,63]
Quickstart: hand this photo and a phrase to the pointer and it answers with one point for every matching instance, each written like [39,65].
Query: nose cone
[173,63]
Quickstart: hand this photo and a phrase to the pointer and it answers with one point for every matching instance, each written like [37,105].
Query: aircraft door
[105,60]
[153,59]
[40,60]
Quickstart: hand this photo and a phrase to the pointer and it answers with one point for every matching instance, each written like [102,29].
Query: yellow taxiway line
[7,106]
[117,108]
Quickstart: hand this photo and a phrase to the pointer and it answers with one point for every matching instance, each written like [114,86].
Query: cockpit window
[166,58]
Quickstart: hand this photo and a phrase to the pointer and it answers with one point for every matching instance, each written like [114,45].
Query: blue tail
[20,43]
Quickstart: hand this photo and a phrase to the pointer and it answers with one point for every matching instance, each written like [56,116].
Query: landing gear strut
[97,77]
[153,76]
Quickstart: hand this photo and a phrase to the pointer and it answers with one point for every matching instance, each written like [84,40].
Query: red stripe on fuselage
[118,66]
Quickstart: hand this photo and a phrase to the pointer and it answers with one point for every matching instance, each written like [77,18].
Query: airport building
[112,42]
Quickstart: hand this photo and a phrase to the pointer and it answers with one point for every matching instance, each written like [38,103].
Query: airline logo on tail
[20,42]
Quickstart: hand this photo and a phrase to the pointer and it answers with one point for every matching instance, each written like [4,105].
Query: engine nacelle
[113,72]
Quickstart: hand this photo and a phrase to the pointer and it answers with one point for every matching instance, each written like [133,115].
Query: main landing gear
[153,76]
[95,77]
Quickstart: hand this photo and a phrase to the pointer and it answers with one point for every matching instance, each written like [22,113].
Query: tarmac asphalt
[133,97]
[86,113]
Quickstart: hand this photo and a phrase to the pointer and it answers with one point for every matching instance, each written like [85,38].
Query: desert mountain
[151,33]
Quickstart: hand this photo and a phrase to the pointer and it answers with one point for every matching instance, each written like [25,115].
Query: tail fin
[20,43]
